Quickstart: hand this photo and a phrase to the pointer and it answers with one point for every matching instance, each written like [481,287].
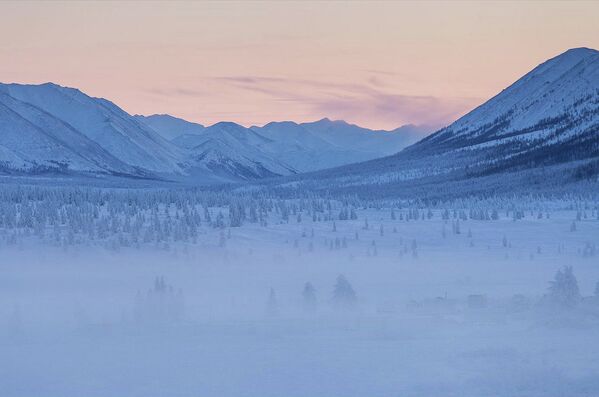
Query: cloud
[367,103]
[176,91]
[395,110]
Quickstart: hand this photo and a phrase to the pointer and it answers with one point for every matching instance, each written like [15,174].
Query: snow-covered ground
[437,312]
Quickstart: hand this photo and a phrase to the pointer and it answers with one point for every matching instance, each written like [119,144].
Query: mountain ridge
[546,120]
[56,129]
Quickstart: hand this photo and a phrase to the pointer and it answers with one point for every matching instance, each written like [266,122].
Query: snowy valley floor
[437,313]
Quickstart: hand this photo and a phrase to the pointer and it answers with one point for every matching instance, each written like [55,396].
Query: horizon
[350,66]
[205,125]
[431,127]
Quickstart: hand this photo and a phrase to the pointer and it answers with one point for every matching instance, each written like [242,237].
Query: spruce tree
[344,296]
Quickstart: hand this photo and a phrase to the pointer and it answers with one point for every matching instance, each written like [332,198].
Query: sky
[376,64]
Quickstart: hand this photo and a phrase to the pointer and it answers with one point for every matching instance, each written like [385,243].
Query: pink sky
[379,65]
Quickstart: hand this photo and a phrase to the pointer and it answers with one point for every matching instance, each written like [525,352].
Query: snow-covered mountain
[295,147]
[49,128]
[550,114]
[33,140]
[324,144]
[302,149]
[546,123]
[228,148]
[105,123]
[103,130]
[170,127]
[379,142]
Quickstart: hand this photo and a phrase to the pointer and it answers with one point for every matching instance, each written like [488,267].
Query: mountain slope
[56,129]
[59,129]
[170,127]
[547,121]
[34,140]
[324,144]
[300,147]
[549,116]
[379,142]
[228,147]
[103,122]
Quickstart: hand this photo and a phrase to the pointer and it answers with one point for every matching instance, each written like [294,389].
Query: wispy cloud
[178,92]
[369,102]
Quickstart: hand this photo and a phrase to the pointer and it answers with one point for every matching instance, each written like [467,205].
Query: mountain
[295,147]
[228,148]
[31,139]
[542,130]
[301,149]
[103,131]
[170,127]
[324,144]
[53,129]
[379,142]
[550,115]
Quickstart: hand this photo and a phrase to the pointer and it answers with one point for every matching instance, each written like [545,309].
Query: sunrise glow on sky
[379,65]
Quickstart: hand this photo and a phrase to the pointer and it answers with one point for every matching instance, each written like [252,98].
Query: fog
[395,307]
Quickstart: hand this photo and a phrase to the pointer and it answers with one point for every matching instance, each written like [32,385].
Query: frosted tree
[563,290]
[272,308]
[220,220]
[344,296]
[414,248]
[207,216]
[160,304]
[309,297]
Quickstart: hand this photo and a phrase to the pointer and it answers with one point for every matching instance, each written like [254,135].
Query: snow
[32,138]
[170,127]
[421,287]
[540,130]
[102,122]
[93,135]
[72,321]
[548,91]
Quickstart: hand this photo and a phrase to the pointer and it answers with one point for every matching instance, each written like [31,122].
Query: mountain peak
[280,124]
[564,61]
[556,102]
[327,121]
[227,125]
[580,51]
